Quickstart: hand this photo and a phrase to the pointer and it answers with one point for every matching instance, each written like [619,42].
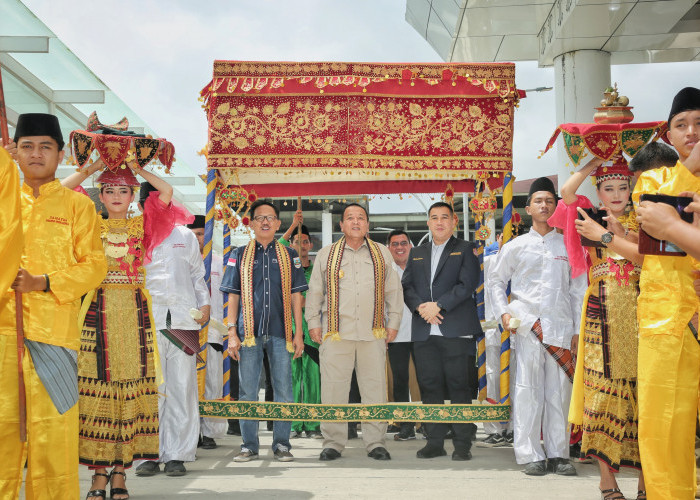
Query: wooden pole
[19,318]
[299,226]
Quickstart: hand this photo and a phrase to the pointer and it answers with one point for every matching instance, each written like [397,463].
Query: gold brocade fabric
[61,239]
[610,360]
[667,299]
[116,369]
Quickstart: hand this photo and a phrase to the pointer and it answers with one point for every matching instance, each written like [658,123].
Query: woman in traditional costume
[604,398]
[118,361]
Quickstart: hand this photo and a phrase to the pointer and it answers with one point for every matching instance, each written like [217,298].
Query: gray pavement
[491,474]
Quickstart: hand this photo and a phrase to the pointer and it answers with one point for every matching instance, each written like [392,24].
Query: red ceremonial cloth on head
[308,129]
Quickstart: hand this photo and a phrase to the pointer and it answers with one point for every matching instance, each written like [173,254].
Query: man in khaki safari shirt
[363,327]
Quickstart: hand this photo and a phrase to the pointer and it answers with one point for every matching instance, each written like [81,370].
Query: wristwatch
[606,238]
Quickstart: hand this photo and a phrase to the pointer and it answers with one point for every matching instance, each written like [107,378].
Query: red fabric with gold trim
[605,140]
[618,170]
[113,149]
[118,177]
[375,128]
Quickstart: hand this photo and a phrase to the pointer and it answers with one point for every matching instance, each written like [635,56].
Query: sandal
[612,494]
[98,493]
[642,495]
[118,491]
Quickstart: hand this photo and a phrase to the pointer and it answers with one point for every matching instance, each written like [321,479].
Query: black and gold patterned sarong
[610,416]
[118,395]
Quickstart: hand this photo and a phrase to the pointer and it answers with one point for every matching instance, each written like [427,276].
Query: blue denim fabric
[249,368]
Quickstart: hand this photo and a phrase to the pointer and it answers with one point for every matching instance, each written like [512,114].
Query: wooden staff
[19,319]
[299,226]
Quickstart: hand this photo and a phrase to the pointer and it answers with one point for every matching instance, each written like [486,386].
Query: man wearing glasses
[401,349]
[265,279]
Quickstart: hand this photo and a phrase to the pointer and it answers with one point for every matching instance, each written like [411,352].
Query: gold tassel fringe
[379,333]
[248,341]
[332,335]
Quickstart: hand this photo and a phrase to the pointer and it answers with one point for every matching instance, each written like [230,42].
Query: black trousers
[399,358]
[443,373]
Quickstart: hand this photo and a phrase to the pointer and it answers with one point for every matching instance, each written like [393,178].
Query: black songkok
[542,184]
[33,124]
[198,222]
[688,99]
[145,190]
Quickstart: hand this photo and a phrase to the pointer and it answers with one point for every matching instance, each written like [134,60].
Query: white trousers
[493,384]
[214,389]
[541,396]
[178,403]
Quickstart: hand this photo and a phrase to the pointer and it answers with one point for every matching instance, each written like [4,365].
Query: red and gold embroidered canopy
[323,128]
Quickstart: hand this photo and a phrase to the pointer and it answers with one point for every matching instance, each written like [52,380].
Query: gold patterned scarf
[285,265]
[333,276]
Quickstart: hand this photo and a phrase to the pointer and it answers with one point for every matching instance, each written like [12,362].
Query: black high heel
[98,493]
[118,491]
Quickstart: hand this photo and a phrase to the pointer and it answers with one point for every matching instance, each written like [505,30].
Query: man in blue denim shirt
[266,279]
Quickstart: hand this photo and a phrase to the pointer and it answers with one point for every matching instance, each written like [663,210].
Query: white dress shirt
[217,330]
[541,287]
[404,334]
[435,254]
[175,280]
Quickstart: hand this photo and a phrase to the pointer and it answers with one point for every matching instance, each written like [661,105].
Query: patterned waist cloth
[562,356]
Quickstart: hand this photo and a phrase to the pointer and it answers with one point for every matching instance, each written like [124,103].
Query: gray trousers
[338,359]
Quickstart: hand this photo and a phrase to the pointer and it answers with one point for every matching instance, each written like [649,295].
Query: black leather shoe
[430,452]
[461,455]
[148,468]
[329,454]
[174,468]
[208,443]
[379,453]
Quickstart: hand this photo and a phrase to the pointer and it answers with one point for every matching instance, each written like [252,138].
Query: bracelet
[48,284]
[232,326]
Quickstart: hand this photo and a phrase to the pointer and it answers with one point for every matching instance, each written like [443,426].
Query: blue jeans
[249,368]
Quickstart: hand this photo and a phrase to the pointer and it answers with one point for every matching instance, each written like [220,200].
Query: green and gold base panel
[395,412]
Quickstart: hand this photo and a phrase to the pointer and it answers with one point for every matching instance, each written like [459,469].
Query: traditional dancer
[669,354]
[547,302]
[354,325]
[306,373]
[62,260]
[604,398]
[117,365]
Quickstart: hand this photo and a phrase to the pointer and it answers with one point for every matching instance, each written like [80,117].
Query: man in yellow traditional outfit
[669,354]
[354,326]
[62,260]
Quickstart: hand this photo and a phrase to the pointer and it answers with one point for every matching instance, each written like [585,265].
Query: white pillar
[326,227]
[491,224]
[580,78]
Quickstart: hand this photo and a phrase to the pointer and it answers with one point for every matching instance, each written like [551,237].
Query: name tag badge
[456,253]
[417,258]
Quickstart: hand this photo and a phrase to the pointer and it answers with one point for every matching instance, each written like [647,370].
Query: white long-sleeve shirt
[541,287]
[493,336]
[217,330]
[175,280]
[404,333]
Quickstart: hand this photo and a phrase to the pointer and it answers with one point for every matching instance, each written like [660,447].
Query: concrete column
[326,227]
[580,78]
[491,224]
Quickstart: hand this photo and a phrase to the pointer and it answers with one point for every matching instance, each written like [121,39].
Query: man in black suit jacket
[439,284]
